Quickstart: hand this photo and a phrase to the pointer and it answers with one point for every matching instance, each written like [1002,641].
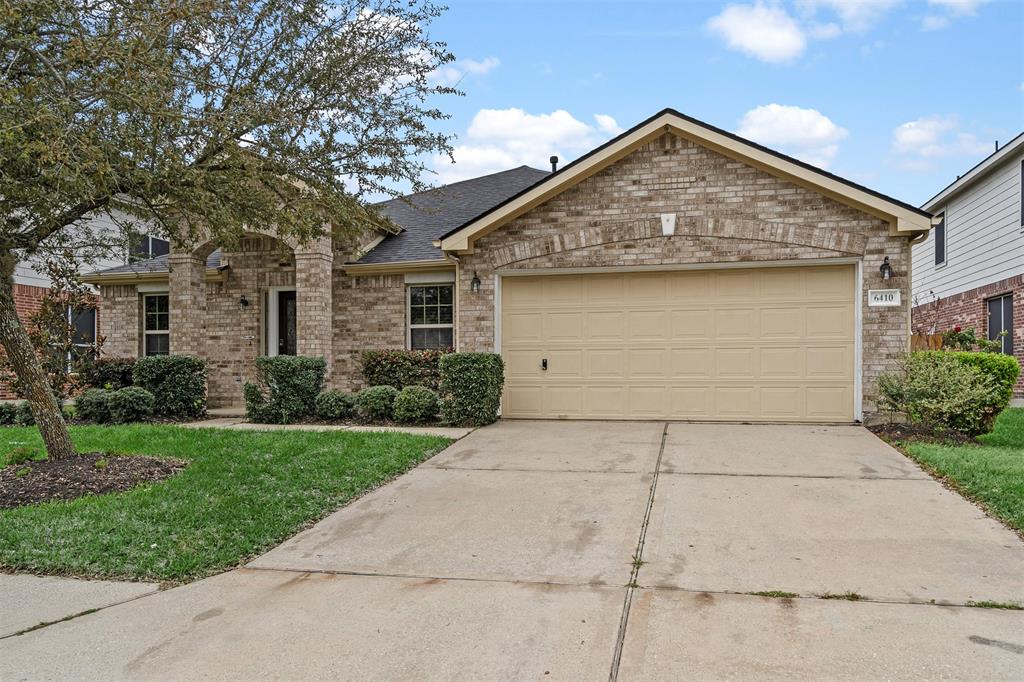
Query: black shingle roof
[157,264]
[425,216]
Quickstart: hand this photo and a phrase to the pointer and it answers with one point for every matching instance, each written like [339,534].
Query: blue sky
[900,96]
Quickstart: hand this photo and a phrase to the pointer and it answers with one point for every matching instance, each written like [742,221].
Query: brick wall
[726,211]
[970,309]
[27,300]
[369,313]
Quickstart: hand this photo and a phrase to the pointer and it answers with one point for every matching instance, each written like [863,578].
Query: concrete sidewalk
[622,551]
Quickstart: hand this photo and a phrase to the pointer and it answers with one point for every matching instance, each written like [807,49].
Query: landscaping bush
[940,390]
[8,413]
[108,373]
[23,414]
[286,389]
[93,405]
[415,405]
[471,386]
[962,339]
[177,382]
[130,404]
[335,405]
[1004,369]
[401,368]
[377,403]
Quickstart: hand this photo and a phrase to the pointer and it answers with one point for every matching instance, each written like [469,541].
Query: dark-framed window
[940,241]
[83,332]
[156,324]
[431,318]
[1000,320]
[147,246]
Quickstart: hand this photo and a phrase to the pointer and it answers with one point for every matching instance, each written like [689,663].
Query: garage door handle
[544,364]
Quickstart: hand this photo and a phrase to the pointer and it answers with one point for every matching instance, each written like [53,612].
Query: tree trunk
[23,360]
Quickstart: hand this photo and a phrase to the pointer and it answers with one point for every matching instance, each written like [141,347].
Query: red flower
[957,329]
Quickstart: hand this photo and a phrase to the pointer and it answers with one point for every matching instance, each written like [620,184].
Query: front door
[286,333]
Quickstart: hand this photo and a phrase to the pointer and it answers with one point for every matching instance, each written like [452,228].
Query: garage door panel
[771,344]
[691,324]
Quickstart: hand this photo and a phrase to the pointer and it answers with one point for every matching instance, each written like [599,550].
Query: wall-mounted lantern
[243,303]
[474,285]
[885,269]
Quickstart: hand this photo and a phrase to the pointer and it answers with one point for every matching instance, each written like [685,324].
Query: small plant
[21,455]
[415,405]
[101,463]
[285,390]
[22,472]
[130,404]
[959,338]
[845,596]
[8,413]
[93,406]
[334,405]
[377,403]
[23,414]
[177,382]
[775,594]
[471,385]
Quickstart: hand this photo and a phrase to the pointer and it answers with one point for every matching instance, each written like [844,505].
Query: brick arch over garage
[826,239]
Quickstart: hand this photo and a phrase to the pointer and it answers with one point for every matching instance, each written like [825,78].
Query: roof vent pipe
[554,163]
[997,145]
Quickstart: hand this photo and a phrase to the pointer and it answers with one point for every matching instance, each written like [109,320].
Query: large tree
[200,117]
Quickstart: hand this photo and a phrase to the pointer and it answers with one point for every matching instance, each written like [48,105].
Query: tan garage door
[766,344]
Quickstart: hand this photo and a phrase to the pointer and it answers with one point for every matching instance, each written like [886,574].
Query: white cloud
[951,9]
[764,31]
[499,139]
[452,74]
[922,140]
[934,22]
[807,134]
[855,15]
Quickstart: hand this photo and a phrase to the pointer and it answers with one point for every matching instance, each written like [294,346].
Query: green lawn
[242,493]
[992,473]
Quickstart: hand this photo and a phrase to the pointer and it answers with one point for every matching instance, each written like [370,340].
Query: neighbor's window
[431,316]
[1000,320]
[146,246]
[156,325]
[940,241]
[83,335]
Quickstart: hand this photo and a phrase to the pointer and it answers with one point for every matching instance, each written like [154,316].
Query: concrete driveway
[584,550]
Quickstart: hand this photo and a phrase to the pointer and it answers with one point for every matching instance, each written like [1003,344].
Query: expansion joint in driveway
[638,556]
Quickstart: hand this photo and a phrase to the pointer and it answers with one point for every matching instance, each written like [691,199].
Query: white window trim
[273,317]
[409,326]
[154,332]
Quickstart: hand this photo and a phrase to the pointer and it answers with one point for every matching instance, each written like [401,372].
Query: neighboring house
[970,270]
[31,285]
[676,272]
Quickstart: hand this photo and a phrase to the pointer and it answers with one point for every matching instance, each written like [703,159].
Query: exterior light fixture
[474,285]
[885,269]
[243,303]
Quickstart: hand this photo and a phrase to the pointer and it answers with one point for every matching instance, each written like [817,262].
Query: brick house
[677,271]
[970,270]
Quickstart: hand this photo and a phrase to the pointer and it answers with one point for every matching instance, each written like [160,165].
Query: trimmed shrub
[108,373]
[130,404]
[401,368]
[938,389]
[416,404]
[23,414]
[286,389]
[471,386]
[93,405]
[335,405]
[377,403]
[8,412]
[177,382]
[1004,369]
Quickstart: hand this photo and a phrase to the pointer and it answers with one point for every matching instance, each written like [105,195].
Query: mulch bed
[919,433]
[34,482]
